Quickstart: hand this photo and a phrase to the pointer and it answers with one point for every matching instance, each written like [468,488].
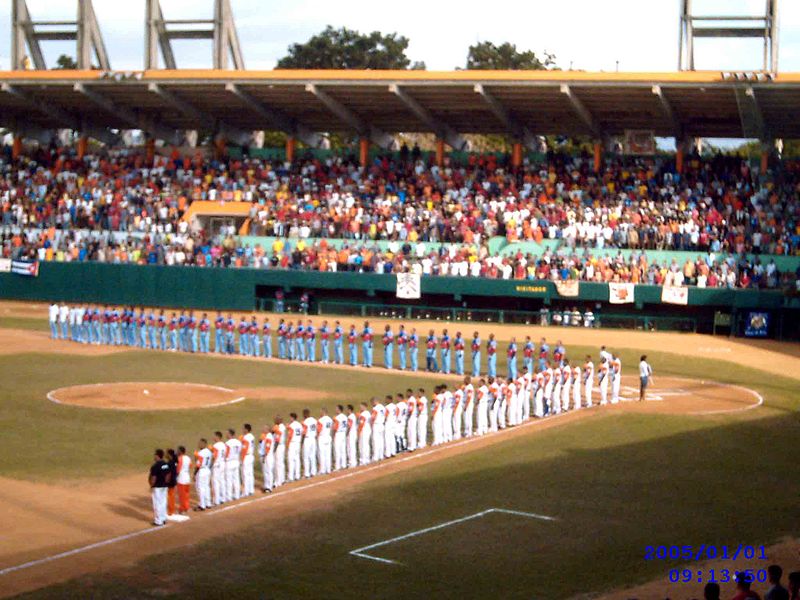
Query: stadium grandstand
[622,212]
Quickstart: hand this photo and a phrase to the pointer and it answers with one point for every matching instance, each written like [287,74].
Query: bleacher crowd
[433,220]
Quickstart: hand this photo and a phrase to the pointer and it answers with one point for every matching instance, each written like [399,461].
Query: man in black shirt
[159,480]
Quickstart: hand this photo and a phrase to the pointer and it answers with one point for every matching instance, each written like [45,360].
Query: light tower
[763,27]
[83,30]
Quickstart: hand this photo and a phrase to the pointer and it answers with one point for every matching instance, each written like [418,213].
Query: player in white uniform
[524,396]
[538,395]
[548,388]
[389,445]
[202,474]
[558,382]
[52,313]
[352,437]
[588,380]
[339,439]
[378,430]
[401,419]
[280,435]
[437,416]
[218,470]
[576,387]
[605,354]
[294,441]
[482,425]
[566,385]
[616,381]
[458,412]
[310,427]
[494,403]
[233,455]
[508,394]
[469,406]
[422,419]
[325,442]
[364,433]
[602,381]
[411,423]
[248,459]
[266,452]
[63,319]
[447,415]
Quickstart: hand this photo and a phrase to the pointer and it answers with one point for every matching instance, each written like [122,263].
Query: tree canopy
[349,49]
[65,62]
[486,55]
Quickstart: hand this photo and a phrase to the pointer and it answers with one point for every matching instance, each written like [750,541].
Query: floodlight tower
[27,32]
[763,27]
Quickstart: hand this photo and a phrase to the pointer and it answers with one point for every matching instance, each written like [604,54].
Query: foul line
[360,552]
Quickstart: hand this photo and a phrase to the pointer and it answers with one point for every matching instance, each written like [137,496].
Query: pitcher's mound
[145,395]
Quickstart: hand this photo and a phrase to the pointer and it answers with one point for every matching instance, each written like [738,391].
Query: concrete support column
[516,155]
[598,156]
[16,147]
[290,146]
[439,152]
[150,151]
[83,145]
[363,151]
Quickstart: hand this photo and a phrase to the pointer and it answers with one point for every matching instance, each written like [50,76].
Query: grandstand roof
[704,104]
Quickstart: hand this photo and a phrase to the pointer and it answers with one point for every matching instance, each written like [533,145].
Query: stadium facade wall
[249,289]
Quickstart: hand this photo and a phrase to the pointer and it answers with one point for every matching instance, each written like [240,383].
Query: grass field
[614,481]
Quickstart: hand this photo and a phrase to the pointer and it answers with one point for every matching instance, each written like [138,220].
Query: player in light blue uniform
[512,359]
[402,340]
[430,352]
[311,342]
[388,347]
[527,354]
[324,342]
[173,333]
[193,334]
[458,346]
[338,343]
[476,355]
[413,349]
[282,339]
[351,339]
[266,338]
[444,346]
[205,334]
[162,330]
[219,334]
[255,341]
[491,356]
[300,342]
[366,344]
[124,326]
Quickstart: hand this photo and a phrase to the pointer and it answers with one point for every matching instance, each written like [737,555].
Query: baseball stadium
[349,327]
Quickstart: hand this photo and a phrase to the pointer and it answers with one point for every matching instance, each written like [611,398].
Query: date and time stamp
[692,553]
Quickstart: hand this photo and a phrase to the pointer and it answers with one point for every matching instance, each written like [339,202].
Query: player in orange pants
[184,480]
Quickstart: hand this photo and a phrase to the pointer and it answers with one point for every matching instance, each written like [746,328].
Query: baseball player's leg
[280,466]
[248,475]
[422,432]
[388,441]
[269,479]
[159,497]
[364,450]
[414,357]
[352,453]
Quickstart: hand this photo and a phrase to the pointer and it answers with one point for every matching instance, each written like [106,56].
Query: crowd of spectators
[434,220]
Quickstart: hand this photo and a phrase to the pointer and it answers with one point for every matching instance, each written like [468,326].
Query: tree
[349,49]
[486,55]
[65,62]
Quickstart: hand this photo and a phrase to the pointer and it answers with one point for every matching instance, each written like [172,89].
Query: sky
[583,34]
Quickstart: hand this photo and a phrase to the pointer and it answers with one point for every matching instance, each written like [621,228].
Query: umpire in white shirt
[645,374]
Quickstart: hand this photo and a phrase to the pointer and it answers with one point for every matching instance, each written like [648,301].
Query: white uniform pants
[340,450]
[218,484]
[233,483]
[483,418]
[495,408]
[310,457]
[526,405]
[378,440]
[202,482]
[411,436]
[268,469]
[565,391]
[352,452]
[458,416]
[447,425]
[159,495]
[389,446]
[363,448]
[293,461]
[468,420]
[422,430]
[576,395]
[325,444]
[280,465]
[556,400]
[438,433]
[538,403]
[248,476]
[604,390]
[615,385]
